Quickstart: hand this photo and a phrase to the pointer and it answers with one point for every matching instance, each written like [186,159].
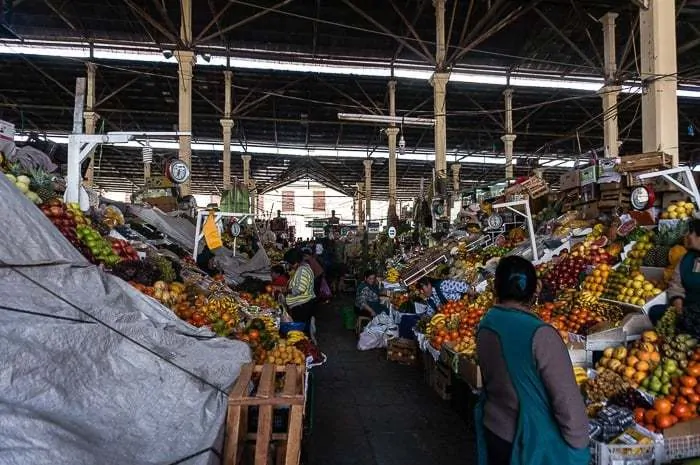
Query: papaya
[676,253]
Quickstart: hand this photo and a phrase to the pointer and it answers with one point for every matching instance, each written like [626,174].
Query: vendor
[438,291]
[367,298]
[300,296]
[206,261]
[684,287]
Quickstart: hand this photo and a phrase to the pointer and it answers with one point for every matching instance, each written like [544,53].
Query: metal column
[227,125]
[90,118]
[368,187]
[246,170]
[508,138]
[657,29]
[392,131]
[185,61]
[360,206]
[439,83]
[609,93]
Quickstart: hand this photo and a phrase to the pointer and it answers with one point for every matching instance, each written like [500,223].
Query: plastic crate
[614,454]
[683,447]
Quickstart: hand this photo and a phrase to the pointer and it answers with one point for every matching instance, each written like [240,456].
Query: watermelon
[601,242]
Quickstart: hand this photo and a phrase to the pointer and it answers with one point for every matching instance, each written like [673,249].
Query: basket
[623,454]
[404,351]
[683,447]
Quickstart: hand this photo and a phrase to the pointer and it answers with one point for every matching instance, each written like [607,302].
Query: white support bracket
[218,217]
[643,4]
[81,145]
[689,186]
[528,217]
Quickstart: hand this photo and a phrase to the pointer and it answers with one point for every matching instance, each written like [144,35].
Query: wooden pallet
[266,398]
[644,162]
[533,187]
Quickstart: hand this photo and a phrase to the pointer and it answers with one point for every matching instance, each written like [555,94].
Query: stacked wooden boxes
[634,165]
[404,351]
[569,184]
[613,195]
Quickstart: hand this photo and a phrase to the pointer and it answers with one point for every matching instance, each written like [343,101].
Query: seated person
[367,297]
[438,291]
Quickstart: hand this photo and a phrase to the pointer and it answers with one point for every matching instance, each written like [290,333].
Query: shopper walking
[300,296]
[530,412]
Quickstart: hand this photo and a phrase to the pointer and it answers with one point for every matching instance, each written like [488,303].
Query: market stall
[601,281]
[116,298]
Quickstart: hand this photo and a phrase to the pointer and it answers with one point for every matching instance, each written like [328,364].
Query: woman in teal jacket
[531,411]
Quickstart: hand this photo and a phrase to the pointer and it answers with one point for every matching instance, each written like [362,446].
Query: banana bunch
[587,297]
[581,375]
[270,323]
[392,275]
[436,322]
[466,346]
[295,336]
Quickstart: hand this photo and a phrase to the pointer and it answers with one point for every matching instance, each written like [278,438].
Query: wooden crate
[404,351]
[442,384]
[615,198]
[266,398]
[644,162]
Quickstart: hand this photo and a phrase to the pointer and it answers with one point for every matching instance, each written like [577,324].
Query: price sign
[392,232]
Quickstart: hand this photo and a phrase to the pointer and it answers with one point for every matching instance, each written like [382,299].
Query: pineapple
[666,238]
[42,184]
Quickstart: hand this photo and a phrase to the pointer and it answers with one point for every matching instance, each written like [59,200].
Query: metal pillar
[246,170]
[360,206]
[508,138]
[610,91]
[392,131]
[90,118]
[368,187]
[657,30]
[455,188]
[227,125]
[185,60]
[439,83]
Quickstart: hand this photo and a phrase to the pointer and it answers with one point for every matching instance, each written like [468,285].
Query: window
[288,201]
[319,201]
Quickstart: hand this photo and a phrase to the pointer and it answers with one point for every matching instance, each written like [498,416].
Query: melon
[676,253]
[600,242]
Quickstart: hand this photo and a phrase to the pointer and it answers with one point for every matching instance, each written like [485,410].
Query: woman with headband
[531,411]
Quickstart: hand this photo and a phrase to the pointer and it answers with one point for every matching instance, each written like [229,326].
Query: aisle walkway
[369,411]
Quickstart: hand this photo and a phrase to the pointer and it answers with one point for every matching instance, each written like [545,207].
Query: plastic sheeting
[91,370]
[180,230]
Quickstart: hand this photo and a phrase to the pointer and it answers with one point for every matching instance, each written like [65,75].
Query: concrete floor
[369,411]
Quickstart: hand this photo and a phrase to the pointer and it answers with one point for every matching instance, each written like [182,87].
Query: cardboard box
[470,372]
[7,131]
[590,211]
[569,180]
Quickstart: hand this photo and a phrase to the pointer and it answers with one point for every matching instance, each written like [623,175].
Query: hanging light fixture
[402,143]
[147,153]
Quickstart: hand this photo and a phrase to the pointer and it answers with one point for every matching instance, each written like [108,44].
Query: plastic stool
[360,324]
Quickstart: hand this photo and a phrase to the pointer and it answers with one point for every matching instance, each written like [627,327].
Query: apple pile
[565,274]
[123,249]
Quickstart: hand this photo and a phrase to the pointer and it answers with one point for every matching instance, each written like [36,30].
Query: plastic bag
[378,333]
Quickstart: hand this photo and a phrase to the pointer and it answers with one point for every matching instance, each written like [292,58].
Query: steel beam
[214,20]
[240,23]
[119,89]
[142,14]
[411,29]
[566,39]
[386,30]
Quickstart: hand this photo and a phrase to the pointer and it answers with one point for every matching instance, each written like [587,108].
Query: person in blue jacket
[531,411]
[438,291]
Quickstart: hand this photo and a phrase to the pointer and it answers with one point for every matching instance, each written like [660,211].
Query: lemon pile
[637,291]
[285,354]
[678,211]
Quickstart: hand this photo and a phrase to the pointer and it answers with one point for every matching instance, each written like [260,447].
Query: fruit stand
[641,381]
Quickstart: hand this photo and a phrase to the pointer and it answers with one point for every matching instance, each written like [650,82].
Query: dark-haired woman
[531,412]
[438,291]
[300,293]
[367,299]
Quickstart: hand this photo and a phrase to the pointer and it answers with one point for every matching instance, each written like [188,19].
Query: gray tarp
[72,390]
[178,229]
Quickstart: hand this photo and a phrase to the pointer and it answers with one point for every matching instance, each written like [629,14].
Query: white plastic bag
[378,332]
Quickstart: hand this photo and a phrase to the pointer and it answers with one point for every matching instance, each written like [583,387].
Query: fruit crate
[623,454]
[644,162]
[404,351]
[682,447]
[266,399]
[442,381]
